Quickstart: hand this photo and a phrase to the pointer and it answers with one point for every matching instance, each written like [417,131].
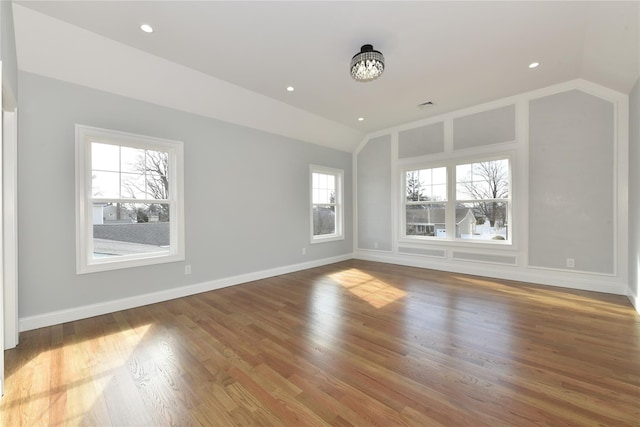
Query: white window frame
[452,200]
[85,262]
[339,204]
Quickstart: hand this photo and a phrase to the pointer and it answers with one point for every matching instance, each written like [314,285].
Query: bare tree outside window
[150,170]
[415,191]
[485,185]
[131,188]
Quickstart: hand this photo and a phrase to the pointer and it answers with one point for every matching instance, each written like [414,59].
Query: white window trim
[339,203]
[84,220]
[451,201]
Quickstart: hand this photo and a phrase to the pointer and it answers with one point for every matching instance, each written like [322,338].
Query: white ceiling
[455,54]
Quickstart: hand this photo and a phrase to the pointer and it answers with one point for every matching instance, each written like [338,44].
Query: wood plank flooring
[350,344]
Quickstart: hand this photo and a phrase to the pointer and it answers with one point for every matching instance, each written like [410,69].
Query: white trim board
[58,317]
[10,226]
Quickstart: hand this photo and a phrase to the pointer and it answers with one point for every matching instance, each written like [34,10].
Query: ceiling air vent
[426,104]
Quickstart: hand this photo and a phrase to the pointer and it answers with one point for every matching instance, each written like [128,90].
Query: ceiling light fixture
[367,65]
[146,28]
[290,89]
[360,119]
[534,64]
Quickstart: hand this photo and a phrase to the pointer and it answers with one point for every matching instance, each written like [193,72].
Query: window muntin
[476,208]
[326,204]
[129,198]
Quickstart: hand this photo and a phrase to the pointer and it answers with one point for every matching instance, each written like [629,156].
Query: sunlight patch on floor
[370,289]
[86,370]
[103,372]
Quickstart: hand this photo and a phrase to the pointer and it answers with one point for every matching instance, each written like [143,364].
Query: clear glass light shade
[367,65]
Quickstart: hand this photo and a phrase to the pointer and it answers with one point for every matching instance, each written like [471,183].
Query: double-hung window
[482,190]
[129,198]
[327,215]
[477,207]
[426,202]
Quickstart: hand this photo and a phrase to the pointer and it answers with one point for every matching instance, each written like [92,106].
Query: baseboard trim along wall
[580,281]
[543,278]
[84,312]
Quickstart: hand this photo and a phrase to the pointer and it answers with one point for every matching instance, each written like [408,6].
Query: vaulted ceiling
[233,60]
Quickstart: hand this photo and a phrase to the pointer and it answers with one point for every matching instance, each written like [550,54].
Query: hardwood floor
[354,343]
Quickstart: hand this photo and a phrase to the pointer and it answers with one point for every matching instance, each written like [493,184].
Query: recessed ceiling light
[534,64]
[360,119]
[290,89]
[146,28]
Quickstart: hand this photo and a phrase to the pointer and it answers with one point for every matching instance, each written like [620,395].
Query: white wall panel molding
[580,84]
[567,277]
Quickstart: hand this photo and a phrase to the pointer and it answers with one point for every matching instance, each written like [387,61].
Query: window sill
[99,266]
[468,243]
[328,238]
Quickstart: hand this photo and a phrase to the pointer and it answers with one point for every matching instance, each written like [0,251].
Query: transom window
[129,198]
[326,204]
[477,208]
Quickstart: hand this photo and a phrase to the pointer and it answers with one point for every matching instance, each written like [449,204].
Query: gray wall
[485,128]
[571,182]
[374,194]
[421,141]
[246,196]
[634,190]
[8,49]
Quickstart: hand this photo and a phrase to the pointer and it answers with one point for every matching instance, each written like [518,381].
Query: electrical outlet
[187,269]
[304,251]
[571,263]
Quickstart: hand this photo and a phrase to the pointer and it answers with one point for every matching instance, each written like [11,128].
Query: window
[477,208]
[129,200]
[482,192]
[426,197]
[326,204]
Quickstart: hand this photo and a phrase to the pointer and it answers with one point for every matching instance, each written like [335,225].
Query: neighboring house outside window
[327,214]
[480,201]
[129,200]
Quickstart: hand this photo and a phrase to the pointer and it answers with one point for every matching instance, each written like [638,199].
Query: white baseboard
[582,281]
[545,278]
[84,312]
